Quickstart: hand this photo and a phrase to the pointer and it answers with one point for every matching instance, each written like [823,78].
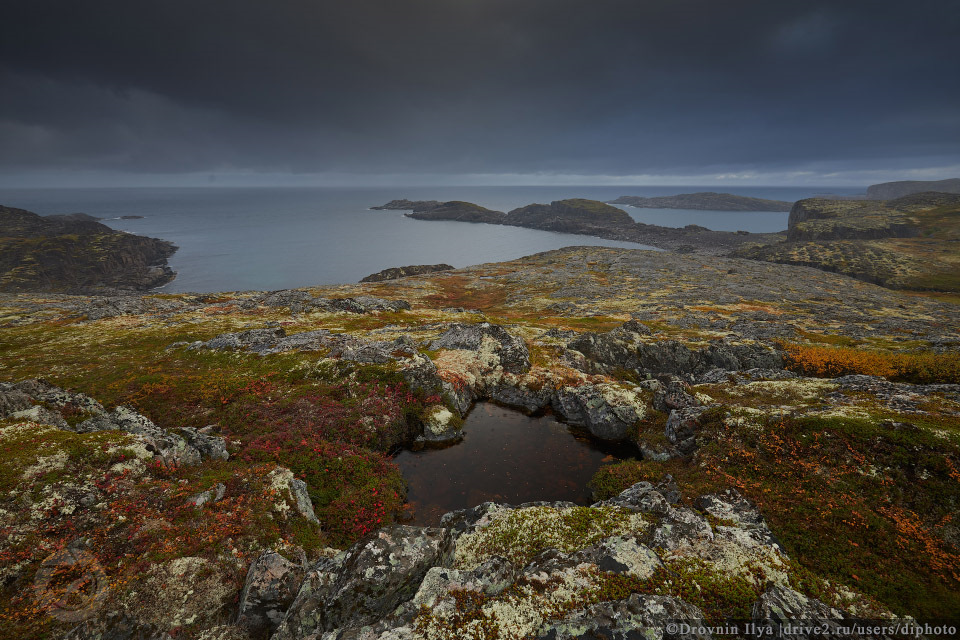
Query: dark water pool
[504,456]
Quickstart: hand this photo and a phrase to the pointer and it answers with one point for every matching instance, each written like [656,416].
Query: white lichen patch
[517,614]
[734,552]
[806,389]
[844,411]
[519,534]
[19,428]
[46,464]
[438,420]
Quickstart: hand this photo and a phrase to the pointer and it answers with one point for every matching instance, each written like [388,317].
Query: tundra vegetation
[796,430]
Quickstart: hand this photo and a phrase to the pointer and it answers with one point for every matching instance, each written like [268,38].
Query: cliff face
[706,201]
[890,190]
[907,243]
[75,253]
[821,219]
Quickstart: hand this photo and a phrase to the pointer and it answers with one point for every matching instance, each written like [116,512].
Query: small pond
[505,456]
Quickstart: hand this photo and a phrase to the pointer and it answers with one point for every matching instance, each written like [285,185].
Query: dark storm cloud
[456,86]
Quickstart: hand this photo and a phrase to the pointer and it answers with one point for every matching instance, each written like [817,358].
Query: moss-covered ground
[861,491]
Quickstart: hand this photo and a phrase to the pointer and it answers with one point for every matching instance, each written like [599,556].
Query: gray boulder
[525,398]
[210,495]
[304,616]
[779,605]
[302,302]
[378,574]
[682,427]
[512,351]
[674,394]
[271,586]
[13,401]
[210,446]
[732,507]
[596,409]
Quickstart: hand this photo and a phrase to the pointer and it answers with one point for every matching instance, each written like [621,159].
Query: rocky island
[588,217]
[705,201]
[74,253]
[218,466]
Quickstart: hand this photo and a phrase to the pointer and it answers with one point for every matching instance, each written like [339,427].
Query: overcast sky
[478,91]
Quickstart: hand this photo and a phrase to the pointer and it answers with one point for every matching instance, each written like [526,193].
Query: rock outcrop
[45,403]
[402,272]
[539,570]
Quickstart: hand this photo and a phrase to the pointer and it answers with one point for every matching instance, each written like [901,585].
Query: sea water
[274,238]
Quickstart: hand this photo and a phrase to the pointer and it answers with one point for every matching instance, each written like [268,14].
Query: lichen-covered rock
[441,425]
[510,350]
[293,491]
[639,616]
[181,592]
[210,495]
[377,574]
[529,395]
[779,605]
[625,348]
[12,400]
[732,507]
[394,273]
[490,578]
[271,585]
[305,615]
[682,426]
[210,446]
[164,444]
[607,411]
[302,302]
[673,394]
[40,415]
[43,392]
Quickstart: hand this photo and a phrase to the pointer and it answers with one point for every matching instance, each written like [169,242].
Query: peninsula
[587,217]
[77,254]
[705,201]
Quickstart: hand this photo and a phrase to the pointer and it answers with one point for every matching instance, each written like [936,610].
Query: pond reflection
[505,456]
